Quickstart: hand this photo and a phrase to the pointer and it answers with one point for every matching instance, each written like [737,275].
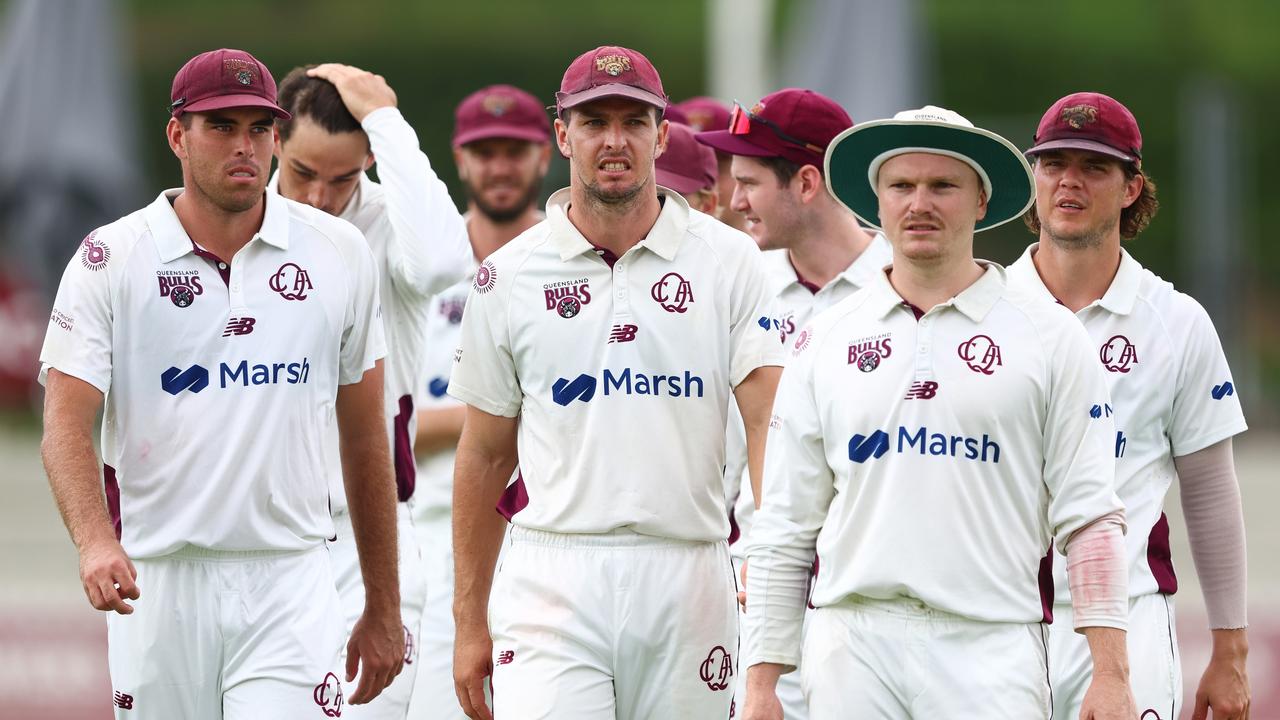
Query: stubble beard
[230,203]
[503,215]
[1087,239]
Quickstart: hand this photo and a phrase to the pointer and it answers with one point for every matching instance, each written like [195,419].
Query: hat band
[873,172]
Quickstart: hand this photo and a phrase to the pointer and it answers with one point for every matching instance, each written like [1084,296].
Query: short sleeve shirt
[1172,394]
[220,375]
[621,376]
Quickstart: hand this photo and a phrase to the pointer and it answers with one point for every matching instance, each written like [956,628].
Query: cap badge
[242,71]
[498,105]
[614,65]
[1077,116]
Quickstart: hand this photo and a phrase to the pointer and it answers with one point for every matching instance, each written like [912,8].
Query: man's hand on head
[361,91]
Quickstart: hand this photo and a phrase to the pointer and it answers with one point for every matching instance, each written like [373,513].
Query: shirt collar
[974,301]
[664,237]
[172,240]
[1120,296]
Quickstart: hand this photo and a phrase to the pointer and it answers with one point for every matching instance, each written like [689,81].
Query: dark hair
[303,96]
[782,168]
[1133,219]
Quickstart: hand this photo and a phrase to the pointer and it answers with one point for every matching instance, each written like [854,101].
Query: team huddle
[737,426]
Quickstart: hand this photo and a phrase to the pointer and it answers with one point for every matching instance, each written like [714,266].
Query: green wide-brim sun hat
[854,157]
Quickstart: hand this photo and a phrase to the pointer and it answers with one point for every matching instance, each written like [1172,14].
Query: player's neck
[487,234]
[1077,276]
[214,229]
[616,228]
[925,284]
[827,247]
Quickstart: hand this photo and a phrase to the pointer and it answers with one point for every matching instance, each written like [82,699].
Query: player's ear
[1133,188]
[809,182]
[664,128]
[562,137]
[369,161]
[174,133]
[982,203]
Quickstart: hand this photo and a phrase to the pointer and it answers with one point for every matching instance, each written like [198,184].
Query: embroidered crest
[1077,116]
[614,65]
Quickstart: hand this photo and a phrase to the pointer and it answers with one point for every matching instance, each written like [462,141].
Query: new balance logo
[924,390]
[622,333]
[123,701]
[194,378]
[239,326]
[582,388]
[862,449]
[1223,390]
[506,657]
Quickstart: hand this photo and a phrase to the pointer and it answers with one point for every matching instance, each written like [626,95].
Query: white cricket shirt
[220,377]
[621,376]
[932,458]
[1171,395]
[419,242]
[796,301]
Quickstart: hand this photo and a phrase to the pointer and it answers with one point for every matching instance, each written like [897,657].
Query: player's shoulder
[308,224]
[847,318]
[720,237]
[1181,316]
[506,265]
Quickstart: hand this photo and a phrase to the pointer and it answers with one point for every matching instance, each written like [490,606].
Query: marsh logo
[870,447]
[194,378]
[626,382]
[1224,390]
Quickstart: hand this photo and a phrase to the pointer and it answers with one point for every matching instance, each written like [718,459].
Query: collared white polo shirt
[420,247]
[220,377]
[621,376]
[1172,394]
[932,458]
[796,302]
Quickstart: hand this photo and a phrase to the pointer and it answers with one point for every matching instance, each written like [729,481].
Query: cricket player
[1173,402]
[604,343]
[931,436]
[689,168]
[705,114]
[816,253]
[502,148]
[343,119]
[226,327]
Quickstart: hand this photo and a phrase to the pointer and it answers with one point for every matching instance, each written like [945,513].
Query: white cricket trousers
[229,635]
[902,660]
[1155,668]
[617,625]
[393,702]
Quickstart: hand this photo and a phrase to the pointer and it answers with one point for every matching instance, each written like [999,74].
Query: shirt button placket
[622,302]
[924,347]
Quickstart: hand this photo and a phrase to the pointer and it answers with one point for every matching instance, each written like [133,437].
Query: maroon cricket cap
[500,111]
[704,113]
[686,166]
[792,123]
[1090,121]
[221,79]
[610,71]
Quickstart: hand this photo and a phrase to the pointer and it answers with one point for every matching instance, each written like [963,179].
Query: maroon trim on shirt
[112,489]
[223,267]
[813,289]
[605,254]
[734,531]
[914,310]
[514,499]
[1046,584]
[402,452]
[1159,559]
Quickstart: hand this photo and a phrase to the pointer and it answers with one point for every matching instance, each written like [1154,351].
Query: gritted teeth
[614,166]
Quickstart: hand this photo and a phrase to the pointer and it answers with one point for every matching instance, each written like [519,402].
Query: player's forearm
[1215,527]
[1098,574]
[1109,651]
[479,479]
[70,462]
[371,501]
[429,248]
[755,401]
[439,429]
[777,583]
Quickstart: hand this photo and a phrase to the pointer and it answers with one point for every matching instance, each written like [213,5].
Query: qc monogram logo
[1118,354]
[672,292]
[328,695]
[291,281]
[716,670]
[981,354]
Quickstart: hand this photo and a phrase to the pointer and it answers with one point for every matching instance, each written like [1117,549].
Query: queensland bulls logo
[614,65]
[716,670]
[291,281]
[868,352]
[180,286]
[672,292]
[95,254]
[980,353]
[567,297]
[1118,354]
[328,695]
[1077,116]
